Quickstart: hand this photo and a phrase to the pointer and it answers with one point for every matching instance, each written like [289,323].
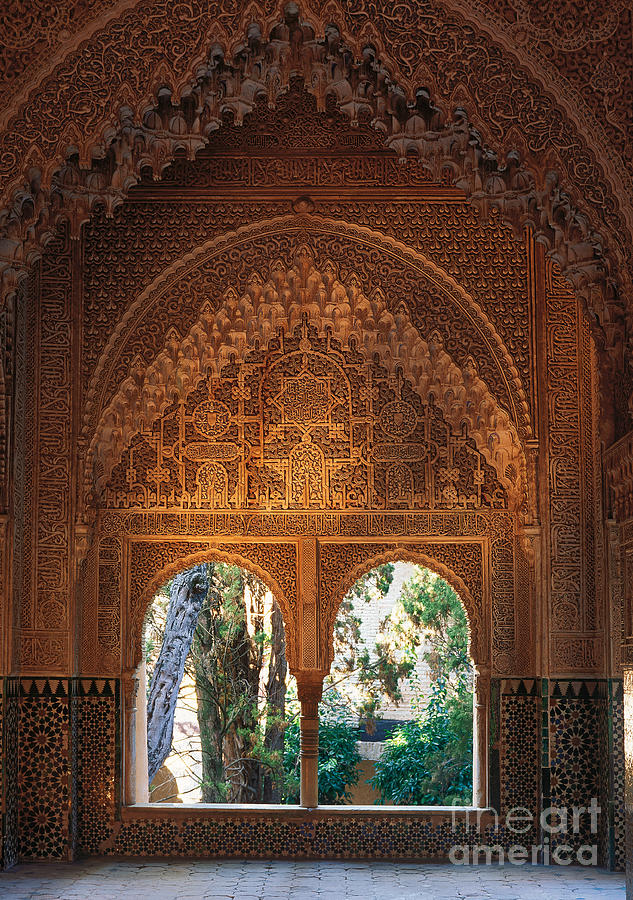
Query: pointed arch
[173,106]
[496,414]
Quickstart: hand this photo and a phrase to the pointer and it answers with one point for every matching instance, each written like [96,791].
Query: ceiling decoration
[161,77]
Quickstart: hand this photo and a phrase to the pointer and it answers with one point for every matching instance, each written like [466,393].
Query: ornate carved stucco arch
[474,590]
[138,392]
[478,632]
[49,41]
[352,317]
[113,365]
[475,81]
[138,604]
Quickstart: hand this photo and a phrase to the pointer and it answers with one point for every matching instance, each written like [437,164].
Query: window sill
[179,811]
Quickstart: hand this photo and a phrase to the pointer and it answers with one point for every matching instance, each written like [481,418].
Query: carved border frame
[269,560]
[167,281]
[134,551]
[375,553]
[114,598]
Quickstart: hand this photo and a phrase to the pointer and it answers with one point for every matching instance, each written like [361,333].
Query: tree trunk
[186,596]
[211,710]
[228,662]
[210,723]
[253,782]
[276,697]
[238,675]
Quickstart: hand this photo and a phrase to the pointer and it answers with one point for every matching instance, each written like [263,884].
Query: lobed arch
[478,633]
[497,413]
[532,194]
[182,272]
[187,561]
[479,617]
[234,34]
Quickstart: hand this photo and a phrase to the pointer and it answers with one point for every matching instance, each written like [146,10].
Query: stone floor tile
[303,880]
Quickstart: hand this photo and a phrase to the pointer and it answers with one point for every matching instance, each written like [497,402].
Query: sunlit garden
[396,718]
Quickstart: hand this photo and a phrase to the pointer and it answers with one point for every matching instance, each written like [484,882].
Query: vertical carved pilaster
[5,565]
[130,684]
[142,784]
[628,776]
[481,718]
[309,590]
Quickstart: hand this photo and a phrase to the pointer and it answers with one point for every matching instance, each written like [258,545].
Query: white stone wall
[371,616]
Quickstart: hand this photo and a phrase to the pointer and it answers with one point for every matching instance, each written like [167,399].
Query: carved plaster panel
[379,87]
[574,484]
[139,550]
[147,268]
[303,424]
[462,564]
[350,326]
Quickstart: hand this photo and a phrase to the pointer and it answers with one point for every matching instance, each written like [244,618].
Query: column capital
[129,683]
[310,686]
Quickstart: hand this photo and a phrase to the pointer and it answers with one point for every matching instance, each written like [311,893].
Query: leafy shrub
[338,754]
[428,761]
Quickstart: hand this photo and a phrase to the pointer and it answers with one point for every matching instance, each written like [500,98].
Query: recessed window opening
[218,692]
[218,719]
[396,718]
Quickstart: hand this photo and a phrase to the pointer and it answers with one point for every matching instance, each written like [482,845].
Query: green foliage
[231,647]
[240,715]
[367,589]
[249,736]
[429,760]
[435,610]
[377,671]
[338,754]
[338,761]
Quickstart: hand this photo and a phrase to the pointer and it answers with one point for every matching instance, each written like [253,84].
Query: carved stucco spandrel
[311,654]
[153,563]
[304,424]
[353,316]
[460,564]
[426,250]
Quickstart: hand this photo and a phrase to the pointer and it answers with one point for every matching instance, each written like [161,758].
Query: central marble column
[309,689]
